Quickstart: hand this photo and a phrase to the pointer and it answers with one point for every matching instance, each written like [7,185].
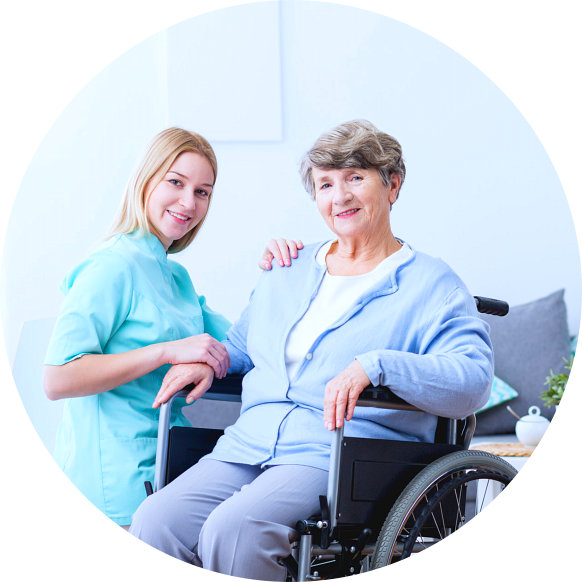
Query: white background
[50,52]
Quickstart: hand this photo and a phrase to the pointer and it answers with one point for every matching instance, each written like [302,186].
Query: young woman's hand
[282,250]
[201,348]
[180,376]
[341,395]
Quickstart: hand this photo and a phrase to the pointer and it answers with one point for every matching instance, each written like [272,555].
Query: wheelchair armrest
[228,388]
[383,397]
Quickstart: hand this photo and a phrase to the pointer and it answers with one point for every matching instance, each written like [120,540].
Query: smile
[179,216]
[348,212]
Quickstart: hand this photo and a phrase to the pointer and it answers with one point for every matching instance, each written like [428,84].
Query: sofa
[529,342]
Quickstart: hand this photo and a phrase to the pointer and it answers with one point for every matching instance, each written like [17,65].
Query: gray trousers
[231,518]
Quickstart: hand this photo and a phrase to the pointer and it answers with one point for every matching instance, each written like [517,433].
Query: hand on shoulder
[282,250]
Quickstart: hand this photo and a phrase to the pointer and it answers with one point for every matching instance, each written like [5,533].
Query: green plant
[556,384]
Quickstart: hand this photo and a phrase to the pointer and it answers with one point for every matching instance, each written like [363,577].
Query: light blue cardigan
[416,331]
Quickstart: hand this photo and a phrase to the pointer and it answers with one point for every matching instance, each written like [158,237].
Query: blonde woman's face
[180,200]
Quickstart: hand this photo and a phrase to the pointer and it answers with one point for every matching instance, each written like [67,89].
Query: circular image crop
[261,82]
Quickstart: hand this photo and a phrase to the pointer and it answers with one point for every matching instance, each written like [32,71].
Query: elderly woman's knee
[145,515]
[219,524]
[225,532]
[151,515]
[223,529]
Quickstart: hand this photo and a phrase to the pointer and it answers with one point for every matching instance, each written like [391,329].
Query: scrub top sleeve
[98,297]
[214,324]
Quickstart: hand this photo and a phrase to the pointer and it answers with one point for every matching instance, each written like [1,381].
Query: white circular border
[51,50]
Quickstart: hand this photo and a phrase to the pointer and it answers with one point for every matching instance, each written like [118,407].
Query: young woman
[129,313]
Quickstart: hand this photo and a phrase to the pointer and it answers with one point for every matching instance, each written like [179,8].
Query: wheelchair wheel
[438,501]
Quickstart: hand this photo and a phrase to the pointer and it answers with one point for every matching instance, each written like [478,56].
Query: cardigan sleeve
[236,343]
[452,373]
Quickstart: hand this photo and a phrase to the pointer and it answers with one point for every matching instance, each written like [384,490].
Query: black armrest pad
[383,397]
[231,384]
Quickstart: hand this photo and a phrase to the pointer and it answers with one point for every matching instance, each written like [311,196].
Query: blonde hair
[355,144]
[161,153]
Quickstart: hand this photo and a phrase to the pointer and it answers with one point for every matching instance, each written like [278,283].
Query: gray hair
[355,144]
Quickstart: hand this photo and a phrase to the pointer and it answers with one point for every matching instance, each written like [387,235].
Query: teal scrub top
[124,296]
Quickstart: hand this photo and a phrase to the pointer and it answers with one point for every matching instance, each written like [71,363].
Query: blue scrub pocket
[126,464]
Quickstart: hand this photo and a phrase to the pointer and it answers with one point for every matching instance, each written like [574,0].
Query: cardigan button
[309,356]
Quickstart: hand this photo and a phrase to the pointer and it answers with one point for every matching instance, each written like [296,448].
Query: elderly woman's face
[353,201]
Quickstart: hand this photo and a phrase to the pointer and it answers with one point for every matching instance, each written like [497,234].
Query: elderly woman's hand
[198,348]
[341,395]
[280,249]
[180,376]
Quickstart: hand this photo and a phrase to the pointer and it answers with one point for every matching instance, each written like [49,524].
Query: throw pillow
[500,392]
[528,342]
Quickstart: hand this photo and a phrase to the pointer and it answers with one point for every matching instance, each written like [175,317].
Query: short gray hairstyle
[355,144]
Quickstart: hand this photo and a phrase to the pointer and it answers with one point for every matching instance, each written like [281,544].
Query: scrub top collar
[152,243]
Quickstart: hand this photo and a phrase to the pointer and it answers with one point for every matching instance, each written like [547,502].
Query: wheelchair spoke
[483,498]
[436,524]
[459,517]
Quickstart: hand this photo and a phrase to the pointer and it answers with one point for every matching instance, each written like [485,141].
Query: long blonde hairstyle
[159,157]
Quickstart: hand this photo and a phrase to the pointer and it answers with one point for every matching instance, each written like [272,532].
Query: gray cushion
[528,342]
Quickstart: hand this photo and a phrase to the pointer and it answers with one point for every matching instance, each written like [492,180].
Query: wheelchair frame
[431,477]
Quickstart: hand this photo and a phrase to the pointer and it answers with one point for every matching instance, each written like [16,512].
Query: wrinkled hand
[341,395]
[180,376]
[282,250]
[200,348]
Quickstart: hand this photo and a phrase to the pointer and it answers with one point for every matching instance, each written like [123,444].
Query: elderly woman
[364,308]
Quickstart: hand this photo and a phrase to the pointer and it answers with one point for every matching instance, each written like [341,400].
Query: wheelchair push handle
[491,306]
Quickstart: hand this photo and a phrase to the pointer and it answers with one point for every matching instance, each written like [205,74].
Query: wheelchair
[386,500]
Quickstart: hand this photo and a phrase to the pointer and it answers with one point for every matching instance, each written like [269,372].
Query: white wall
[49,47]
[481,191]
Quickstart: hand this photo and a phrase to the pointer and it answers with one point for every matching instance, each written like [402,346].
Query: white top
[336,295]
